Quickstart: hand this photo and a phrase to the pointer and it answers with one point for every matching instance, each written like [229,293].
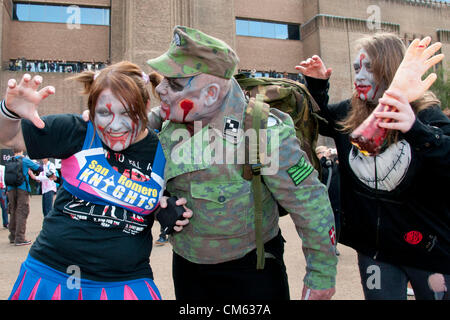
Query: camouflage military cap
[193,52]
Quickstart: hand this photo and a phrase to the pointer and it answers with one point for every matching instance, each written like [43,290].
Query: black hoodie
[403,216]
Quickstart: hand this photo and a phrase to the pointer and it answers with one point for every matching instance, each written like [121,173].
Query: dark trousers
[233,280]
[19,209]
[4,206]
[47,202]
[385,281]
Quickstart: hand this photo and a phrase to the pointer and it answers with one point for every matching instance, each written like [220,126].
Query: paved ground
[348,286]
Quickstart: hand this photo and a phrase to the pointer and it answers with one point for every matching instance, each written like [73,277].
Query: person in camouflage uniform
[215,256]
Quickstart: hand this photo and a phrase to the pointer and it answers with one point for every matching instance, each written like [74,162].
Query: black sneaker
[24,243]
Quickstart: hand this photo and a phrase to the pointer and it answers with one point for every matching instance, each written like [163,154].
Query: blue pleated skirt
[37,281]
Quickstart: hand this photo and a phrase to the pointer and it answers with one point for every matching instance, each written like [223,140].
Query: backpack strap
[258,112]
[20,171]
[27,184]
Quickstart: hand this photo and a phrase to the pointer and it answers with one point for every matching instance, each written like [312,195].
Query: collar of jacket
[232,109]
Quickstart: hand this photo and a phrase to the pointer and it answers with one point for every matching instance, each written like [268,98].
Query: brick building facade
[142,29]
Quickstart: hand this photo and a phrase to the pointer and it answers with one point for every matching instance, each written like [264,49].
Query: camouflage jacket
[222,227]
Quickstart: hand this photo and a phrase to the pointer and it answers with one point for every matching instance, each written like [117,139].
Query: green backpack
[294,99]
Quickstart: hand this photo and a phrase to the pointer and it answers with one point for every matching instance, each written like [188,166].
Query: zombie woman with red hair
[95,244]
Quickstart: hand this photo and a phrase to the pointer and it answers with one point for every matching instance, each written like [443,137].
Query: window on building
[61,14]
[263,29]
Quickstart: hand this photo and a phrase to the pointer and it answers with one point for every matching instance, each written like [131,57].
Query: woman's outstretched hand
[314,68]
[419,57]
[24,98]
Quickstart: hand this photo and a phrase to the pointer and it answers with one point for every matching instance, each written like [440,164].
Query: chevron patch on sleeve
[300,171]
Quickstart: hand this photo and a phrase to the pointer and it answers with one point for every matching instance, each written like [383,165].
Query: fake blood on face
[361,58]
[186,106]
[112,141]
[167,114]
[363,90]
[375,92]
[166,109]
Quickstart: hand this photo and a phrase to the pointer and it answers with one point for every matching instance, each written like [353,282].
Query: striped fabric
[300,171]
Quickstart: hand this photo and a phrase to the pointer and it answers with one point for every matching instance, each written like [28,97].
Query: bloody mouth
[363,89]
[116,139]
[117,136]
[166,109]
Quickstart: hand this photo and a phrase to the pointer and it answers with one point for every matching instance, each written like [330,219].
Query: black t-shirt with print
[106,243]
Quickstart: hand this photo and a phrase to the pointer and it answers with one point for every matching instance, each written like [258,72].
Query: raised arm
[314,68]
[33,176]
[297,189]
[419,58]
[394,111]
[317,75]
[408,86]
[21,102]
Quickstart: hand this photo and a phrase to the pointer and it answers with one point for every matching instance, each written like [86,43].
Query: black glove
[168,217]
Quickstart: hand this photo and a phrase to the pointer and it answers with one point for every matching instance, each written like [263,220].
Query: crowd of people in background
[22,64]
[45,182]
[271,74]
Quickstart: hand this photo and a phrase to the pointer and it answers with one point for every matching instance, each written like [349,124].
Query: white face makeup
[113,124]
[365,84]
[184,100]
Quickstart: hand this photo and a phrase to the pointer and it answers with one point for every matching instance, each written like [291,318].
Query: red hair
[126,81]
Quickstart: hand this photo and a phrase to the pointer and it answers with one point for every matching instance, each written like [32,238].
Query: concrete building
[267,35]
